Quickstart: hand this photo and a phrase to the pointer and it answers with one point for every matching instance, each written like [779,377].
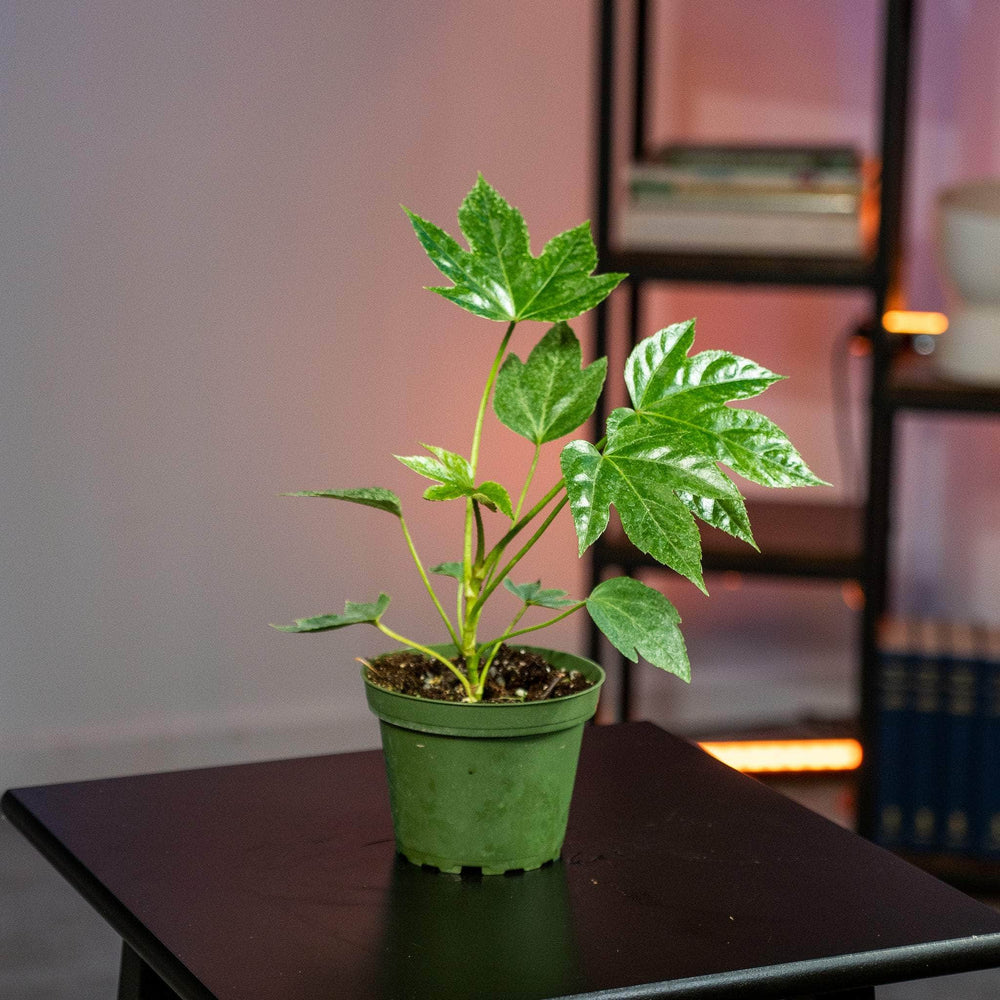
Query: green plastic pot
[483,785]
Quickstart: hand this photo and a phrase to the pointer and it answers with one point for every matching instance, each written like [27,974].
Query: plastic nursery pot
[483,785]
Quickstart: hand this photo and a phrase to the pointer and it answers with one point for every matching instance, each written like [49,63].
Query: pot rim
[455,718]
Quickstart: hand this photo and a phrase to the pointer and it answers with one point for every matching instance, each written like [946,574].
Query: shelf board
[740,268]
[915,384]
[796,539]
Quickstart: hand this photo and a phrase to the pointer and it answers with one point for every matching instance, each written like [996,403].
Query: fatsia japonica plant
[657,463]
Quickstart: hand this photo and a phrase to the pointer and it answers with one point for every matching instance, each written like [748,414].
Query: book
[961,697]
[988,770]
[937,739]
[890,736]
[745,198]
[926,737]
[737,165]
[777,200]
[739,231]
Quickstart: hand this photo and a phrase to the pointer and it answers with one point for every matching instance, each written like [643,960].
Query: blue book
[962,668]
[988,833]
[890,750]
[926,775]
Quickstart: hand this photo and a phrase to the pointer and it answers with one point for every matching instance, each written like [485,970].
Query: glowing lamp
[788,756]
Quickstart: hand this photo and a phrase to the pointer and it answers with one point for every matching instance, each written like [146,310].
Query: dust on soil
[516,675]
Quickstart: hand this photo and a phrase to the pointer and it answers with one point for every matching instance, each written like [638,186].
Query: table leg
[137,981]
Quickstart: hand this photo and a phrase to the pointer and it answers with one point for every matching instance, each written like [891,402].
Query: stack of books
[774,200]
[937,766]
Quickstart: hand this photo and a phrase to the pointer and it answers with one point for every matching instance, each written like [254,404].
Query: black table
[679,878]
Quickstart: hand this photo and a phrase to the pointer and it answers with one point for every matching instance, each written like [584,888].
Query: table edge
[904,963]
[132,931]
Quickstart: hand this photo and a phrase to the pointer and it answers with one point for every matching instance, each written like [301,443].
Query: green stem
[484,674]
[498,578]
[497,551]
[469,617]
[433,654]
[484,402]
[480,534]
[510,628]
[527,482]
[534,628]
[512,633]
[427,582]
[466,587]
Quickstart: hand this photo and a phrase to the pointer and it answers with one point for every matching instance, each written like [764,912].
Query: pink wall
[788,71]
[209,289]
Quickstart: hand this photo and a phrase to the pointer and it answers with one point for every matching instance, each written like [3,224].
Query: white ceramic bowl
[969,249]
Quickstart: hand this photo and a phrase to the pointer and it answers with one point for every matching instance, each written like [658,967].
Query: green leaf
[728,514]
[368,497]
[640,621]
[497,277]
[532,594]
[659,466]
[639,447]
[681,399]
[548,396]
[442,466]
[452,569]
[494,496]
[659,368]
[354,614]
[454,474]
[646,488]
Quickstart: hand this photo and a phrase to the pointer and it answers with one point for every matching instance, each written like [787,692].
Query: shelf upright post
[605,166]
[899,17]
[602,220]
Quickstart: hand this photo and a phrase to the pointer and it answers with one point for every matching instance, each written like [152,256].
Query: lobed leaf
[534,595]
[498,278]
[660,464]
[640,621]
[652,491]
[453,473]
[368,497]
[659,368]
[452,569]
[494,496]
[354,614]
[681,400]
[549,395]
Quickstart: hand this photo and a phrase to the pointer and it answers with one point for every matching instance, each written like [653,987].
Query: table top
[679,878]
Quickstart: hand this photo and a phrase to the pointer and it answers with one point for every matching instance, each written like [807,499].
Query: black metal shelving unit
[797,539]
[910,383]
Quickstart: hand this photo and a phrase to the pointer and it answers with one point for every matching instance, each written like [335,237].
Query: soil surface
[515,675]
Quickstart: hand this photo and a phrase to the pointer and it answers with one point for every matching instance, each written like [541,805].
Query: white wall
[210,295]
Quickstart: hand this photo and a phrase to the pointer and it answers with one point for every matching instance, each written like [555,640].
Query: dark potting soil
[515,675]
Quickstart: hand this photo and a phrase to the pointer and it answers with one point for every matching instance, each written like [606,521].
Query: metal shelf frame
[861,533]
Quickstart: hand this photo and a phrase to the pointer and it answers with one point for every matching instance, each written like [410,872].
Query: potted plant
[481,735]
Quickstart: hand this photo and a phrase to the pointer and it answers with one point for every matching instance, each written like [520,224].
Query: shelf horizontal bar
[740,269]
[916,384]
[795,539]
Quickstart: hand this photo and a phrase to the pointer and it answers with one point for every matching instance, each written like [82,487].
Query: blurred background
[210,295]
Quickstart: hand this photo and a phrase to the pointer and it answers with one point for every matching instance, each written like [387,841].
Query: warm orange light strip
[905,321]
[771,756]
